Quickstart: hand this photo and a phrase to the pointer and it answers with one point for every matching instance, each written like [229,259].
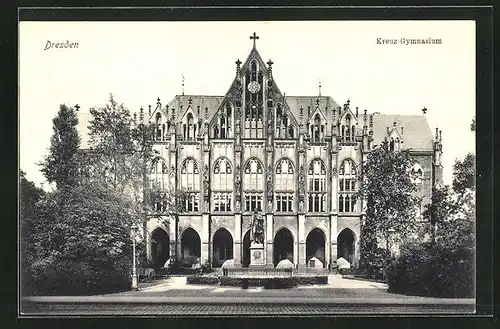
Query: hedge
[433,270]
[273,282]
[203,279]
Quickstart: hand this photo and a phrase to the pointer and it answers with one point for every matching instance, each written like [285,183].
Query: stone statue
[206,183]
[301,180]
[257,228]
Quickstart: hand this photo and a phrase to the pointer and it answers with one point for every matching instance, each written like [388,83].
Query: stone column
[205,239]
[172,237]
[237,242]
[301,242]
[268,257]
[333,238]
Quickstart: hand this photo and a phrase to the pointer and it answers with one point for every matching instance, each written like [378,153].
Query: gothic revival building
[296,159]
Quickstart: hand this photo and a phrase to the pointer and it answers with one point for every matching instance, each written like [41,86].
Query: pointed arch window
[223,127]
[222,185]
[347,186]
[284,128]
[158,180]
[189,128]
[317,130]
[253,184]
[254,102]
[316,186]
[190,175]
[285,186]
[348,130]
[159,128]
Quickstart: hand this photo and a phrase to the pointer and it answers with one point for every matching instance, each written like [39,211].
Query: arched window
[347,186]
[283,126]
[158,127]
[348,130]
[222,185]
[417,174]
[253,126]
[223,126]
[190,183]
[253,184]
[190,128]
[158,183]
[317,186]
[284,185]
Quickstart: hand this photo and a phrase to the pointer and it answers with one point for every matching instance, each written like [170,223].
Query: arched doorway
[160,247]
[315,245]
[245,259]
[283,246]
[222,247]
[345,245]
[190,247]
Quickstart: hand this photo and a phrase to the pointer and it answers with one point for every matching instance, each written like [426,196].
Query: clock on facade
[253,87]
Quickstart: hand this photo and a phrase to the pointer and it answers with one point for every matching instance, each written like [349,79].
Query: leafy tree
[452,212]
[391,208]
[29,196]
[61,164]
[82,242]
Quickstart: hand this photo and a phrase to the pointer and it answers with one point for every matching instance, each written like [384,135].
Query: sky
[140,61]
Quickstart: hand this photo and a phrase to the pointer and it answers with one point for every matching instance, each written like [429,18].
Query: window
[192,202]
[253,201]
[347,186]
[254,102]
[189,128]
[222,175]
[284,202]
[190,175]
[317,186]
[284,180]
[284,128]
[222,201]
[160,129]
[253,184]
[223,126]
[317,130]
[348,132]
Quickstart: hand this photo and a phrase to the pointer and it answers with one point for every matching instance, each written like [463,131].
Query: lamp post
[134,271]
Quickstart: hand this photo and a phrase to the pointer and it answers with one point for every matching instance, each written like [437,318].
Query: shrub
[203,279]
[310,280]
[433,270]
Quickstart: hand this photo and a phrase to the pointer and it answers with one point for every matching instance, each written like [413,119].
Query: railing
[257,271]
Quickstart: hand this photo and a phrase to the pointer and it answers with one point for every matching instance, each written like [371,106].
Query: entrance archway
[345,245]
[283,246]
[160,247]
[315,245]
[222,247]
[190,247]
[245,259]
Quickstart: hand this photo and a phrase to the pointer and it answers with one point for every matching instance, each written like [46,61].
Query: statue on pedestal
[257,228]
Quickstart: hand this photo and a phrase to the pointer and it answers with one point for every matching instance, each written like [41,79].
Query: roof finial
[424,110]
[254,37]
[238,68]
[320,88]
[77,107]
[183,83]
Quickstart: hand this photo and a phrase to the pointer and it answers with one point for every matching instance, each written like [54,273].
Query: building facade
[296,159]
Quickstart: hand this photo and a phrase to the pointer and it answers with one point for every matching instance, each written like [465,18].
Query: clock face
[253,87]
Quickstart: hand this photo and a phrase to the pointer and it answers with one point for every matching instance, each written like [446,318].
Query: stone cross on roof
[254,37]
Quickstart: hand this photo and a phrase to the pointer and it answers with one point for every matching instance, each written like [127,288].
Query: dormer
[189,125]
[284,124]
[347,125]
[223,122]
[317,125]
[395,137]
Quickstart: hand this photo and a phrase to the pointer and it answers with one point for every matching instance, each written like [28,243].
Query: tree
[452,211]
[29,196]
[391,208]
[61,164]
[473,125]
[82,242]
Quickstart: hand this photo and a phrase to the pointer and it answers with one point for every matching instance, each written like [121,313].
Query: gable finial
[183,83]
[238,67]
[424,110]
[320,88]
[254,37]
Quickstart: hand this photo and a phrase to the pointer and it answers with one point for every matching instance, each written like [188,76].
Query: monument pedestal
[257,255]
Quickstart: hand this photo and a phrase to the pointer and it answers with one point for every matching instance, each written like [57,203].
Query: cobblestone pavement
[173,297]
[239,309]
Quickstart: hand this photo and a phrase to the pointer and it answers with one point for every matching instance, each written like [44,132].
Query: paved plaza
[174,297]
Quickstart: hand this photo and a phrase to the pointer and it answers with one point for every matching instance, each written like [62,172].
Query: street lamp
[134,271]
